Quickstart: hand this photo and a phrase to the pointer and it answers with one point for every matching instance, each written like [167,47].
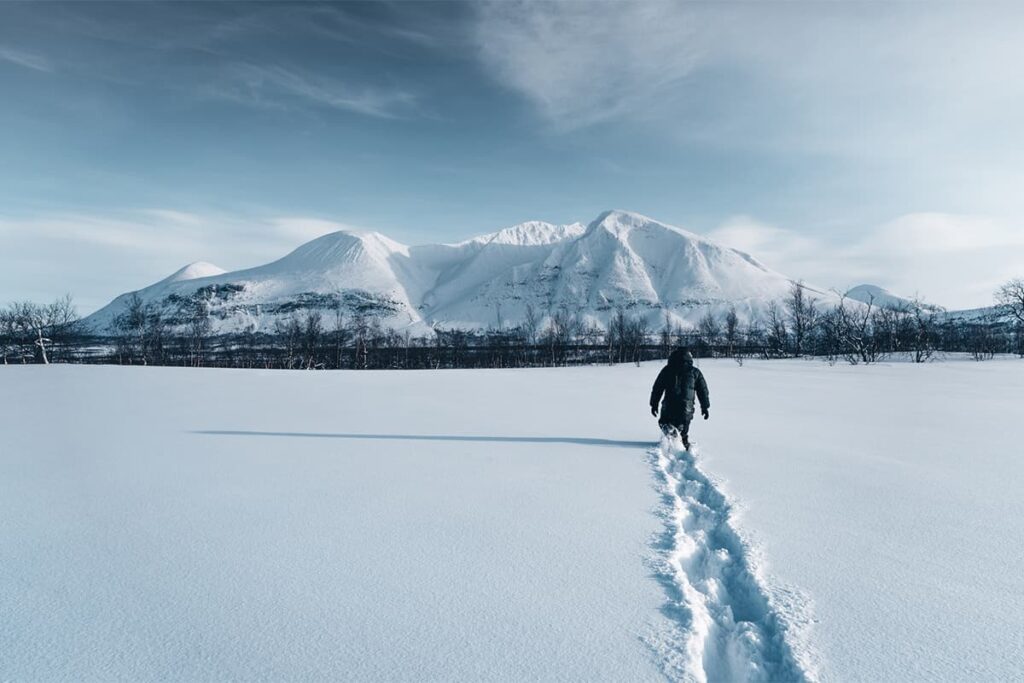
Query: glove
[704,412]
[654,411]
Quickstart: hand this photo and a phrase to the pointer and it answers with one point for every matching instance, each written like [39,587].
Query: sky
[838,142]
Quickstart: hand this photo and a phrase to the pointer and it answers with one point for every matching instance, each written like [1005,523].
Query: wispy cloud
[25,59]
[281,87]
[848,79]
[585,62]
[950,259]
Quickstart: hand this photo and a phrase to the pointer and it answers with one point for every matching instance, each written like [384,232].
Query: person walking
[678,383]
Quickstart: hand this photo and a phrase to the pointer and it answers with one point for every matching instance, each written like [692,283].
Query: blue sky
[838,142]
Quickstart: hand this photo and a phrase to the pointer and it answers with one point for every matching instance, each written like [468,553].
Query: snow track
[726,627]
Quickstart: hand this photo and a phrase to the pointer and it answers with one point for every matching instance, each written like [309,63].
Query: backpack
[682,381]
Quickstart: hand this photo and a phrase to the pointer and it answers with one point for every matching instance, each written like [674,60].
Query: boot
[670,431]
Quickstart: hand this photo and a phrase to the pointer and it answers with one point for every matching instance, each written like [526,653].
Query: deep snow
[483,536]
[892,494]
[841,523]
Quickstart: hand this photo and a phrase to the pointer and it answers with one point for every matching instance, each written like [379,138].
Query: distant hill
[883,298]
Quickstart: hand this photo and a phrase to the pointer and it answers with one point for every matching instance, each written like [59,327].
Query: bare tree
[639,329]
[755,335]
[199,328]
[618,336]
[35,317]
[889,324]
[289,332]
[732,329]
[64,325]
[802,312]
[708,327]
[21,322]
[7,339]
[854,331]
[39,330]
[981,342]
[339,335]
[312,331]
[129,330]
[1010,297]
[778,335]
[922,333]
[155,335]
[361,334]
[667,332]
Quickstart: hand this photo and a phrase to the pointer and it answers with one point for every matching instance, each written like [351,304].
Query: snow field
[161,523]
[891,496]
[836,523]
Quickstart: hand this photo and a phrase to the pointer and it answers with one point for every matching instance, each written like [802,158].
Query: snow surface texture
[162,524]
[728,630]
[891,494]
[621,259]
[508,525]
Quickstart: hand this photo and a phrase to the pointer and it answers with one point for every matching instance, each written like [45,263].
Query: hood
[679,359]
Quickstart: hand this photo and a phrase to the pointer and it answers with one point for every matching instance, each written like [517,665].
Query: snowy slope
[838,523]
[621,259]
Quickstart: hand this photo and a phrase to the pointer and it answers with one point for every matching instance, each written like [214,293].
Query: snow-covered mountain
[193,271]
[620,260]
[883,298]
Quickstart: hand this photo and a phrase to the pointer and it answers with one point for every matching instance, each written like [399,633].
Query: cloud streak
[952,260]
[25,59]
[582,63]
[863,82]
[278,86]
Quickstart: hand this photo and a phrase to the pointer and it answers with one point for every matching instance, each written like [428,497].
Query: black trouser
[678,417]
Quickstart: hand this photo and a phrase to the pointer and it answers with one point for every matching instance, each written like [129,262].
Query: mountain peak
[621,223]
[530,233]
[193,271]
[622,214]
[621,218]
[341,245]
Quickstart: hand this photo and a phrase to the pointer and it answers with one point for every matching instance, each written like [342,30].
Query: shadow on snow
[579,441]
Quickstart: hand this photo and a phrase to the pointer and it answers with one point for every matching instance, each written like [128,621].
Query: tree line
[799,325]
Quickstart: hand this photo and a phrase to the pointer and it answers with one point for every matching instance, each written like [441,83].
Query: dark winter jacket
[679,382]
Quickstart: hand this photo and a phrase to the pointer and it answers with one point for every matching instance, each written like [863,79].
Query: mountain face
[620,260]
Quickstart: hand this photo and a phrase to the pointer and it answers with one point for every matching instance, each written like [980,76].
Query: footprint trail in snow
[725,627]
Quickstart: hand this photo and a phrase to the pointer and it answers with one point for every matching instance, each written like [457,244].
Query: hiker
[679,381]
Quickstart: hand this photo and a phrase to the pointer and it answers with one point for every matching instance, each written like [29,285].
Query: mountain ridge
[621,259]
